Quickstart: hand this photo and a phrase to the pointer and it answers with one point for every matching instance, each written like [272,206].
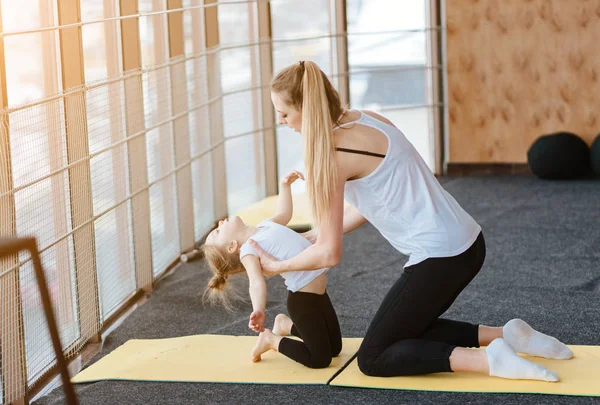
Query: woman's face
[286,114]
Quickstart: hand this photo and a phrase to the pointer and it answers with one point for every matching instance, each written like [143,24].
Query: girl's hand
[269,264]
[292,177]
[257,321]
[311,235]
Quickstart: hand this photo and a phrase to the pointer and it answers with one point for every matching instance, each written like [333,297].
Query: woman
[364,158]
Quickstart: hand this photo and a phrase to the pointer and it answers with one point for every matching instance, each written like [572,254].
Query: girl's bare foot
[266,341]
[283,325]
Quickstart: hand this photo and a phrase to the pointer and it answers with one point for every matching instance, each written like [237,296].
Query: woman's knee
[367,352]
[366,358]
[365,363]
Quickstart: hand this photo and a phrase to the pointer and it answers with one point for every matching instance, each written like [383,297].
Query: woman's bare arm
[327,250]
[352,219]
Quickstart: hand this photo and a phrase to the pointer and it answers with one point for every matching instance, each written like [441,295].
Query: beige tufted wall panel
[518,69]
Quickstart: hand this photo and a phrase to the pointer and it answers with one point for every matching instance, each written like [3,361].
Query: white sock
[524,339]
[505,362]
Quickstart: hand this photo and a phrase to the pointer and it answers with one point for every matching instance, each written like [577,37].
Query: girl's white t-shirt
[283,243]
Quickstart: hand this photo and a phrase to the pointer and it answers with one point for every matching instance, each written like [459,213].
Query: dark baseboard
[479,169]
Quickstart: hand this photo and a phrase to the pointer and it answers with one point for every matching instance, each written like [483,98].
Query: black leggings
[407,335]
[316,323]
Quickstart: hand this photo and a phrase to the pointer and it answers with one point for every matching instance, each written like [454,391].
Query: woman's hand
[311,235]
[269,264]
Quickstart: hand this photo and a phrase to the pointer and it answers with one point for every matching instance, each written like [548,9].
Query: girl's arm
[285,207]
[258,292]
[327,250]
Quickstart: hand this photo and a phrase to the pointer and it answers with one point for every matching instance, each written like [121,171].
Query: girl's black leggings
[316,323]
[407,335]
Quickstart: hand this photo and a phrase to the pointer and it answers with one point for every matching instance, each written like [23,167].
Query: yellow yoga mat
[208,358]
[578,376]
[267,208]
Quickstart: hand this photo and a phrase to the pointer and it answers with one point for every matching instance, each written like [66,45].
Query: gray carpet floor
[542,265]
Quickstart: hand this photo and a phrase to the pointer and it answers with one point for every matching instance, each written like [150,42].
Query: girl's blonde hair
[223,264]
[306,88]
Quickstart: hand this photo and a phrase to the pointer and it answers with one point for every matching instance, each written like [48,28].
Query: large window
[105,108]
[196,83]
[389,66]
[159,139]
[243,136]
[301,30]
[38,150]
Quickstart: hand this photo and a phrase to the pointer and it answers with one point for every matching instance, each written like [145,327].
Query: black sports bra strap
[360,152]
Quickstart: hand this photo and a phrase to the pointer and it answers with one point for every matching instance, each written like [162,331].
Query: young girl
[312,317]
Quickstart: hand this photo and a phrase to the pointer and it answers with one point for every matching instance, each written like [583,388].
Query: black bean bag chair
[561,155]
[595,156]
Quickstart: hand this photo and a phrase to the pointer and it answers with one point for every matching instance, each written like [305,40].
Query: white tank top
[405,202]
[282,243]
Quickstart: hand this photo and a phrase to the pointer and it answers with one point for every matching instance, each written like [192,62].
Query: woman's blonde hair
[223,264]
[306,88]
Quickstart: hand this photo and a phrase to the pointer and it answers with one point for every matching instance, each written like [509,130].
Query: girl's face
[229,229]
[287,115]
